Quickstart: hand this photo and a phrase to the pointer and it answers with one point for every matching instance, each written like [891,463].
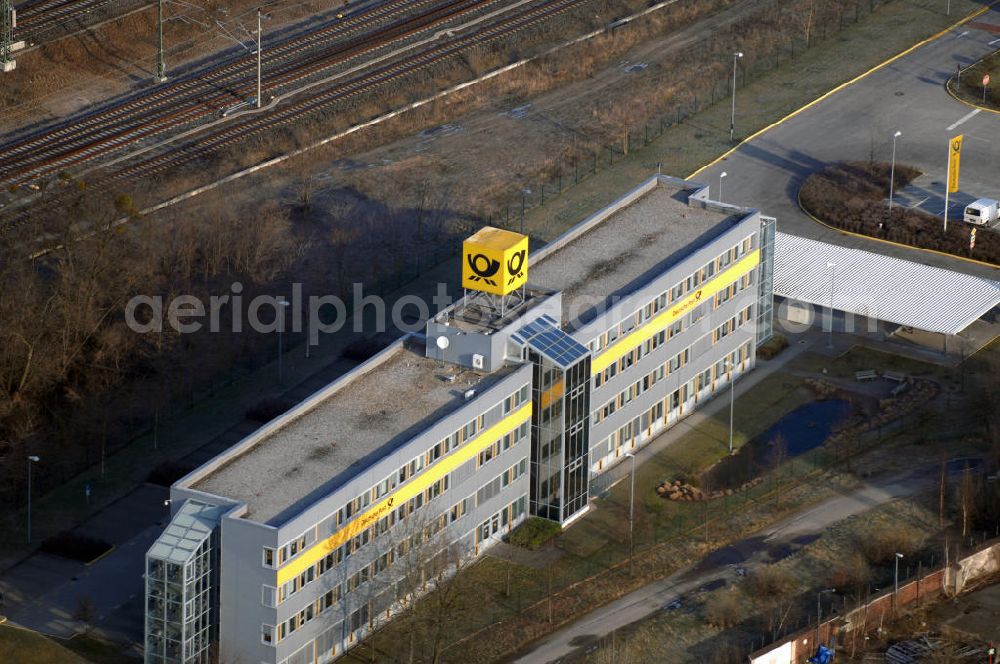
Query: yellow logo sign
[954,161]
[495,261]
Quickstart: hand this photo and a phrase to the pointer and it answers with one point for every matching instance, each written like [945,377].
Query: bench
[894,376]
[867,374]
[899,389]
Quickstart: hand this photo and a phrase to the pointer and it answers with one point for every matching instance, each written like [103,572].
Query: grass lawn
[21,646]
[24,646]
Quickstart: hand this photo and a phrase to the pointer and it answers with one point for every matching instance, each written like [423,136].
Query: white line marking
[968,116]
[920,202]
[993,42]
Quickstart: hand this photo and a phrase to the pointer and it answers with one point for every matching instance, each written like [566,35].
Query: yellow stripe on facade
[615,351]
[469,450]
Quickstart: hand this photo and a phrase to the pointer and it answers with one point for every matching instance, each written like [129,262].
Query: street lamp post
[830,266]
[732,123]
[721,175]
[31,459]
[524,204]
[631,511]
[895,583]
[281,326]
[892,171]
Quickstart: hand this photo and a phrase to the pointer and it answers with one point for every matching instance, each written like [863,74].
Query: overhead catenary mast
[8,21]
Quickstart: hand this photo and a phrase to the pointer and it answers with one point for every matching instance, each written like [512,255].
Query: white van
[982,212]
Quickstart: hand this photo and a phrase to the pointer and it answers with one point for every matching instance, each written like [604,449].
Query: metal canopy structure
[877,286]
[190,527]
[543,335]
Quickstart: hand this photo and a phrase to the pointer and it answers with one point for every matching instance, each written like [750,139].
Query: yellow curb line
[103,555]
[727,153]
[798,200]
[951,93]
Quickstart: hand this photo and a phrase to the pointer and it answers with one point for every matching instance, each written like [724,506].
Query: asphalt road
[907,95]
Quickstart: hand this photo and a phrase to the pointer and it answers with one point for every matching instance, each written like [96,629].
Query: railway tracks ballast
[92,137]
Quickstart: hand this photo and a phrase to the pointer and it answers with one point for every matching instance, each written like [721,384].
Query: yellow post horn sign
[954,161]
[495,261]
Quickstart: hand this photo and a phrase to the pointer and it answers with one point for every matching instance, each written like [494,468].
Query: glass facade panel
[560,442]
[765,284]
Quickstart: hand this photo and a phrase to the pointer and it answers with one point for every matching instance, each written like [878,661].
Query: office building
[297,542]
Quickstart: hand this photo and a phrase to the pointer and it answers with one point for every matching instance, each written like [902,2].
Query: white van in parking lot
[982,212]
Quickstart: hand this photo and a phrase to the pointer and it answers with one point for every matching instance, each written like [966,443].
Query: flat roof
[627,249]
[878,286]
[373,412]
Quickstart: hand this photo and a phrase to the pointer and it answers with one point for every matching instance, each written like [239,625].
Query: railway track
[203,95]
[247,126]
[39,21]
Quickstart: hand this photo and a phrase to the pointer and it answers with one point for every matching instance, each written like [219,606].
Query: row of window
[270,634]
[351,547]
[628,433]
[731,325]
[672,365]
[686,285]
[419,463]
[326,643]
[679,360]
[632,357]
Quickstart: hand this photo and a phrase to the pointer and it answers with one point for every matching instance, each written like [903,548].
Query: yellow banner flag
[954,160]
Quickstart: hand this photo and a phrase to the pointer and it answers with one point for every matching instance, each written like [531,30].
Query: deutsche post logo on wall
[495,261]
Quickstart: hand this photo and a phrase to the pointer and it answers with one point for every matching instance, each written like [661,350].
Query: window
[267,634]
[268,595]
[268,557]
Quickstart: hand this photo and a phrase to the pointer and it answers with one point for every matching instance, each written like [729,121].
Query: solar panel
[544,336]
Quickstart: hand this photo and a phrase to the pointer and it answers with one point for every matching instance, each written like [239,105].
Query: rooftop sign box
[495,261]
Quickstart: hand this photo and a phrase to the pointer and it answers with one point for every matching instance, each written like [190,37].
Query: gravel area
[370,415]
[617,255]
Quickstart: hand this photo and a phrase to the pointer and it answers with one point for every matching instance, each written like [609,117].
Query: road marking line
[920,202]
[993,42]
[968,116]
[829,93]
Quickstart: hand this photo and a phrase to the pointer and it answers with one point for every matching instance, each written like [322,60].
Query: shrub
[168,472]
[769,582]
[75,546]
[881,545]
[266,410]
[770,348]
[534,532]
[724,609]
[851,196]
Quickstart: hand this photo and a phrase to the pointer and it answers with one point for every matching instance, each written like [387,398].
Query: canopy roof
[879,286]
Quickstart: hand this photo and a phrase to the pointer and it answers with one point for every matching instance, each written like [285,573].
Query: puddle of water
[958,466]
[801,430]
[518,112]
[441,130]
[637,67]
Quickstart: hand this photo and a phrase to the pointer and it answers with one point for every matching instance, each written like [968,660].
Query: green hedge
[534,532]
